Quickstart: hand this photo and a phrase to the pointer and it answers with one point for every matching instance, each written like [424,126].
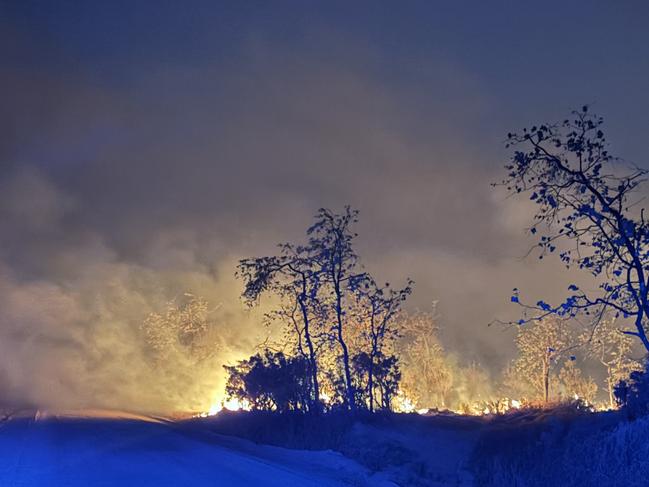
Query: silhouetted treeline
[339,323]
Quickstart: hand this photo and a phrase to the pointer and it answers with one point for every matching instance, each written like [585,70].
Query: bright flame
[214,409]
[403,404]
[232,404]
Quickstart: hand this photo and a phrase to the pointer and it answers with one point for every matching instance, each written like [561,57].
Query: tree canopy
[588,213]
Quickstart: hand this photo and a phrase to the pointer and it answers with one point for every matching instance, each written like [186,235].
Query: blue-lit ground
[138,451]
[526,448]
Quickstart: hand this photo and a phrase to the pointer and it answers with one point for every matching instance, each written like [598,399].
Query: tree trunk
[546,378]
[638,322]
[351,400]
[312,357]
[373,353]
[609,380]
[370,383]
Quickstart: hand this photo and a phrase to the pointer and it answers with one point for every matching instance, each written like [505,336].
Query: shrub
[271,382]
[632,395]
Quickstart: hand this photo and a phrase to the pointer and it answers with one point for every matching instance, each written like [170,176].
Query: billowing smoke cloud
[71,324]
[130,178]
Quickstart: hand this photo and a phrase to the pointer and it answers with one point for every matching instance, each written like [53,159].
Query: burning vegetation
[397,361]
[346,342]
[339,339]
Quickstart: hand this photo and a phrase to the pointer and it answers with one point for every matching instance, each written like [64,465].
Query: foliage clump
[632,395]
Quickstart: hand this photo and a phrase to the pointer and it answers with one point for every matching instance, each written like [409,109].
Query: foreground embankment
[105,449]
[559,446]
[534,447]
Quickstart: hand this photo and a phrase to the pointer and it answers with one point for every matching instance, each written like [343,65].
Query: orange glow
[230,404]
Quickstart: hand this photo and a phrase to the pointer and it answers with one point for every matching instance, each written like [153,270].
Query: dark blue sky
[531,58]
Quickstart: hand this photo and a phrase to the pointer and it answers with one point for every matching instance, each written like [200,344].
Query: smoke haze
[145,149]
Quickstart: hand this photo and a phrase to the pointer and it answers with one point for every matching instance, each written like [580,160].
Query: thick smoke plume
[134,169]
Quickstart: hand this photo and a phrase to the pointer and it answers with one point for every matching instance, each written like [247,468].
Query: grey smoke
[131,176]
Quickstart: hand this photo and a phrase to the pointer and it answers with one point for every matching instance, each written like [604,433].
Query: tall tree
[541,347]
[182,343]
[612,348]
[382,305]
[587,210]
[331,242]
[293,277]
[427,375]
[333,308]
[181,330]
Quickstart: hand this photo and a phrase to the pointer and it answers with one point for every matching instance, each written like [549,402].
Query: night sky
[146,146]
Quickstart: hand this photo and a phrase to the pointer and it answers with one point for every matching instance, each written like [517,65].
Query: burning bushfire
[232,404]
[403,404]
[220,404]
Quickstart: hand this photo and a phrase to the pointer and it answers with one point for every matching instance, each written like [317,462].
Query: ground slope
[55,450]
